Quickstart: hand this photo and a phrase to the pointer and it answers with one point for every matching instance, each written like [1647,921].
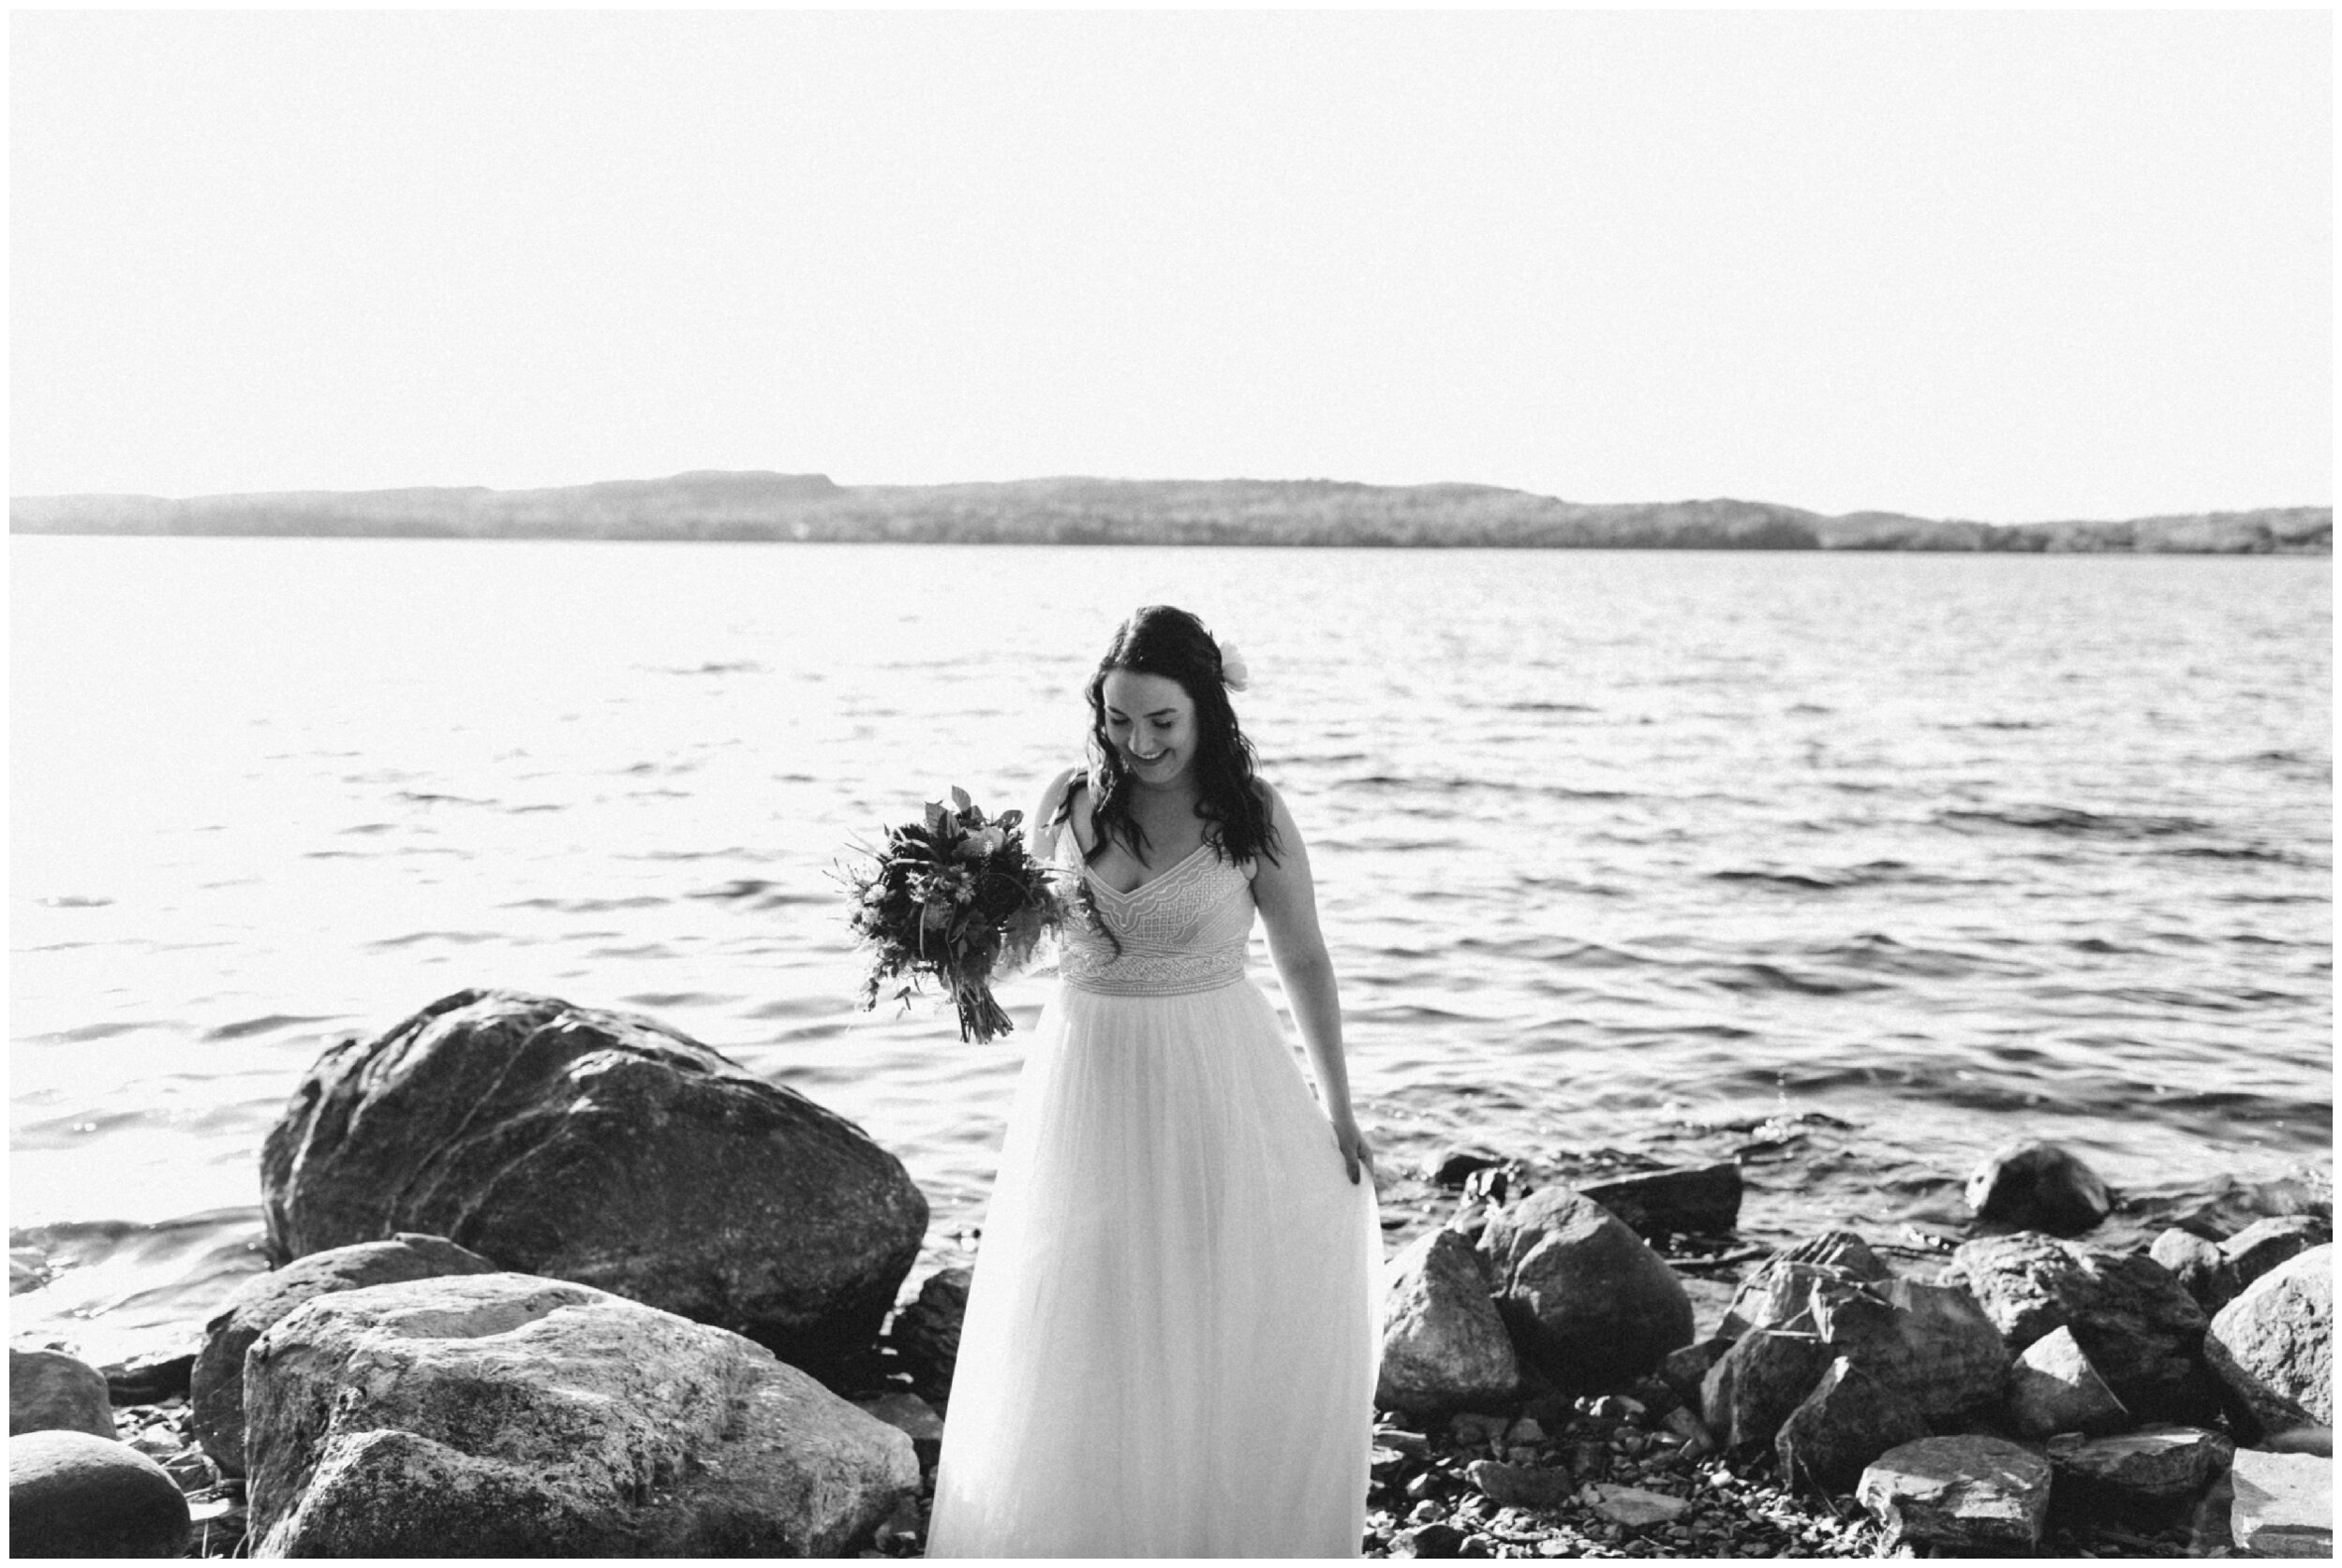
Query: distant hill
[808,507]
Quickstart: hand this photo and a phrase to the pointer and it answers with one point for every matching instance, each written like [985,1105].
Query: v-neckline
[1170,871]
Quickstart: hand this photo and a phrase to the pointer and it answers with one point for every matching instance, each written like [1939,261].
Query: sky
[2006,266]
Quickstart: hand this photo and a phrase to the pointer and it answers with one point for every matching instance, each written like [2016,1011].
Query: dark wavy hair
[1163,641]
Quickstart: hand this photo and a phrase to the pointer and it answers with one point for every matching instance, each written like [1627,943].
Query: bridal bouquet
[954,896]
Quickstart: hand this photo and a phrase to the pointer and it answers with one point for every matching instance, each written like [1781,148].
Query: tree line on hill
[757,506]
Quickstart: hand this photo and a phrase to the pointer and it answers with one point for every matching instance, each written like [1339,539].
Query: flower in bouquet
[954,898]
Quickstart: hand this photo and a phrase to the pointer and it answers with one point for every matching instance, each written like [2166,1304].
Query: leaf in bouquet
[936,816]
[959,798]
[1009,821]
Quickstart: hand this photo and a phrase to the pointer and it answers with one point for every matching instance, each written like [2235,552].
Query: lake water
[1617,851]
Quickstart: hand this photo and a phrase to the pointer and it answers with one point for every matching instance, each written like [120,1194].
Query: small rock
[51,1392]
[2157,1465]
[1966,1493]
[74,1494]
[1850,1419]
[2273,1344]
[1519,1486]
[1704,1200]
[1633,1508]
[1429,1540]
[2038,1186]
[1443,1344]
[192,1469]
[2054,1388]
[1470,1428]
[1420,1489]
[1615,1408]
[1386,1465]
[2198,1265]
[1414,1445]
[2263,1245]
[925,1334]
[2284,1505]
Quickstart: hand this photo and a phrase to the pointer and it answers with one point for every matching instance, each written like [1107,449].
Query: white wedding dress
[1171,1337]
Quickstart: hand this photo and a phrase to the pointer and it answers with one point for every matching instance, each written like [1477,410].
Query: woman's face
[1150,720]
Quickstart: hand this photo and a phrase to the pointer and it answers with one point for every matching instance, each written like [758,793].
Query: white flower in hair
[1233,674]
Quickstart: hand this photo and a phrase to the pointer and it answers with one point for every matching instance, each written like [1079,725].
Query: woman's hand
[1356,1153]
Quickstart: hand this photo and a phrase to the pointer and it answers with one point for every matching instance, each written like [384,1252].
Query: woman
[1171,1336]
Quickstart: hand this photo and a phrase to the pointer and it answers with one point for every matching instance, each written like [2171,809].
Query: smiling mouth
[1143,757]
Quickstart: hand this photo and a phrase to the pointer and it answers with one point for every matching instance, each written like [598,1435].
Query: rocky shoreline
[511,1309]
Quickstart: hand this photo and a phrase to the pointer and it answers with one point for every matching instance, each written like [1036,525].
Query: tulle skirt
[1170,1343]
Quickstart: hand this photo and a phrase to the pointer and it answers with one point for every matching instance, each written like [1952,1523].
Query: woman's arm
[1040,831]
[1288,905]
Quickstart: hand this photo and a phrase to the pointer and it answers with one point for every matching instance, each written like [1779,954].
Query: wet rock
[526,1416]
[1443,1345]
[1701,1201]
[1964,1493]
[2263,1245]
[51,1392]
[2038,1186]
[74,1494]
[2137,1325]
[1850,1419]
[1931,1343]
[925,1334]
[605,1148]
[913,1418]
[2274,1345]
[1452,1167]
[2054,1388]
[1510,1485]
[1587,1301]
[2284,1505]
[1764,1376]
[215,1389]
[2159,1467]
[2198,1265]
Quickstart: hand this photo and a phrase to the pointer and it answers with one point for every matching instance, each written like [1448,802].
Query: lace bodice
[1186,930]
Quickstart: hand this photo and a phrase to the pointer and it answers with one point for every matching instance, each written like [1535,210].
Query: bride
[1171,1335]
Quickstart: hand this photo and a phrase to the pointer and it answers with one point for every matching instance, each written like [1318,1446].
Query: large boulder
[2138,1324]
[1972,1494]
[51,1392]
[2283,1504]
[1443,1346]
[2054,1388]
[1753,1388]
[2152,1470]
[605,1148]
[2198,1264]
[1700,1201]
[72,1494]
[500,1414]
[2273,1344]
[1778,1289]
[925,1334]
[1850,1419]
[1588,1302]
[2263,1245]
[2038,1186]
[1932,1343]
[217,1385]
